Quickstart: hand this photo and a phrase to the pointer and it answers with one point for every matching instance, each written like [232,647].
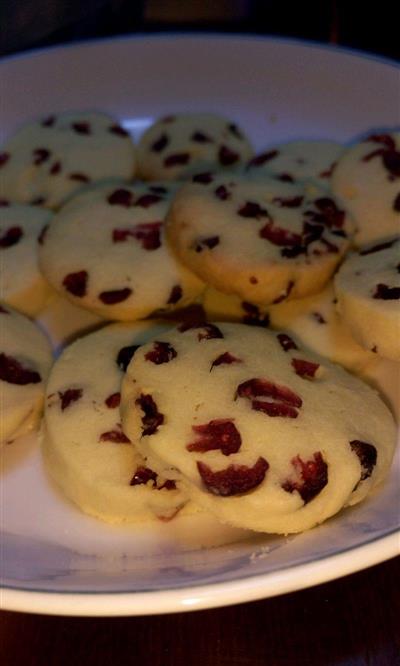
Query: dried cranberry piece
[113,400]
[203,178]
[396,203]
[253,316]
[378,247]
[38,201]
[313,477]
[274,409]
[69,396]
[200,137]
[118,130]
[318,316]
[81,127]
[235,131]
[4,157]
[149,234]
[252,209]
[125,355]
[116,436]
[259,160]
[175,295]
[367,455]
[162,352]
[121,197]
[284,296]
[42,235]
[331,247]
[332,216]
[328,172]
[11,237]
[207,332]
[222,193]
[147,200]
[285,178]
[151,418]
[225,359]
[226,156]
[177,159]
[158,189]
[288,202]
[210,242]
[40,155]
[254,388]
[13,372]
[79,177]
[287,343]
[235,479]
[386,293]
[219,434]
[304,368]
[55,168]
[48,122]
[160,143]
[278,236]
[76,283]
[142,476]
[385,139]
[293,251]
[114,296]
[391,161]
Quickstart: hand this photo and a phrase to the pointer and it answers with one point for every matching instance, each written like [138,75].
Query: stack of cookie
[242,408]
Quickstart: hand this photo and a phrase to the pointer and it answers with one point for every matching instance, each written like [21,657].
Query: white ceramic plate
[53,558]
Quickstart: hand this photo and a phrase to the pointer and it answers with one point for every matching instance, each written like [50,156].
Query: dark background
[350,622]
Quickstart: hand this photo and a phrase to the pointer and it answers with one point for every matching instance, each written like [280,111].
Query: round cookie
[179,145]
[21,283]
[367,287]
[367,182]
[49,159]
[105,251]
[265,436]
[84,448]
[314,321]
[25,361]
[298,160]
[263,240]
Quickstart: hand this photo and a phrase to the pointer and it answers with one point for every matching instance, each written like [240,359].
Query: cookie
[367,182]
[298,160]
[25,361]
[265,436]
[313,321]
[179,145]
[106,252]
[21,283]
[368,291]
[48,160]
[84,447]
[263,240]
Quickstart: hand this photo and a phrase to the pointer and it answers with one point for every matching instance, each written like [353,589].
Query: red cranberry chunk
[76,283]
[283,296]
[177,159]
[209,243]
[274,408]
[312,477]
[55,168]
[278,236]
[293,251]
[235,479]
[121,197]
[118,130]
[158,189]
[151,418]
[305,369]
[203,178]
[11,237]
[226,156]
[81,128]
[222,193]
[116,436]
[259,160]
[69,396]
[391,162]
[125,356]
[225,359]
[200,137]
[287,343]
[219,434]
[252,209]
[386,293]
[379,246]
[162,352]
[114,296]
[147,200]
[113,400]
[254,388]
[332,215]
[48,122]
[40,155]
[253,316]
[328,172]
[319,318]
[38,201]
[13,372]
[285,178]
[79,177]
[385,139]
[142,476]
[367,455]
[149,235]
[4,157]
[175,295]
[288,202]
[160,143]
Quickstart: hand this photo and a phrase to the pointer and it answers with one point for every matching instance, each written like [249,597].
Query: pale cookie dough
[21,283]
[25,362]
[263,240]
[298,160]
[179,145]
[49,159]
[367,182]
[314,321]
[106,251]
[368,292]
[84,447]
[265,436]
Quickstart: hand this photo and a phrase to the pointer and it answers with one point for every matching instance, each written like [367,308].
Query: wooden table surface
[354,621]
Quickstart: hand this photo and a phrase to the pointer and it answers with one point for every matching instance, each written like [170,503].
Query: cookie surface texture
[264,436]
[263,240]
